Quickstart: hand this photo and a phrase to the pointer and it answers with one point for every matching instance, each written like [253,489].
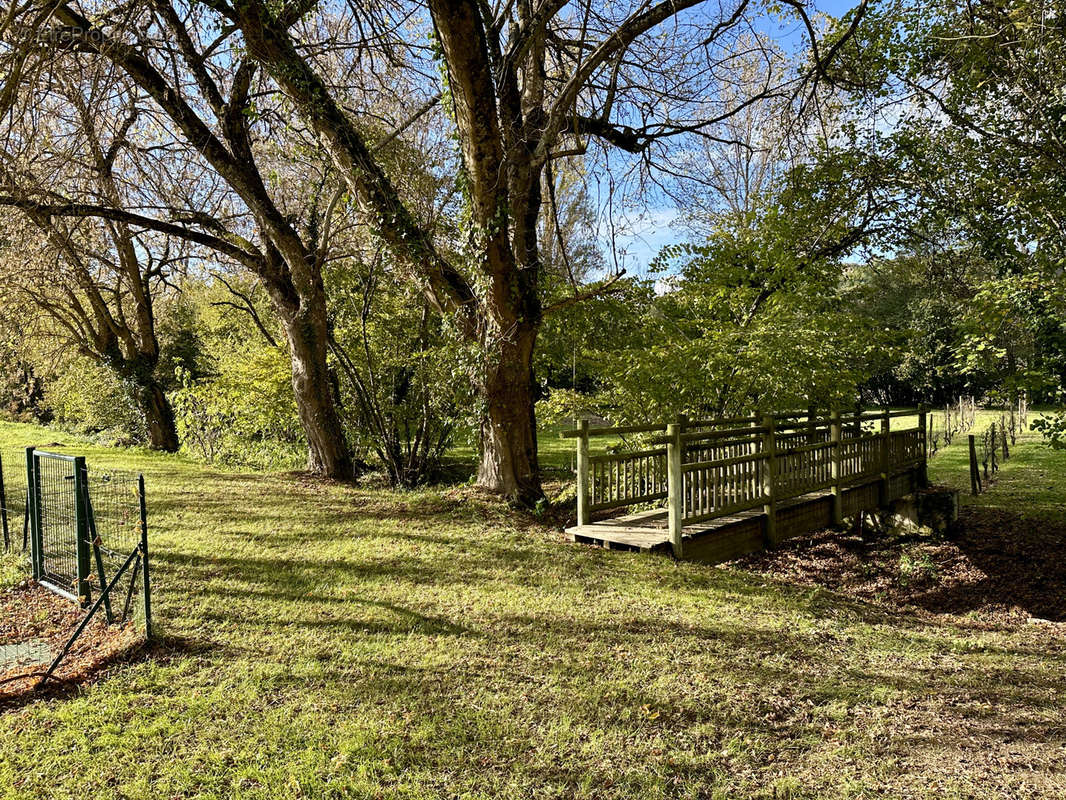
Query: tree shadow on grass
[340,604]
[702,686]
[255,588]
[998,566]
[1017,562]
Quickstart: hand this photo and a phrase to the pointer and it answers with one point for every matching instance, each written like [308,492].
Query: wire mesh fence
[83,533]
[115,501]
[56,499]
[13,517]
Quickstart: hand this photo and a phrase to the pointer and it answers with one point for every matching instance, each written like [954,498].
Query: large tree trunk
[158,417]
[328,454]
[509,464]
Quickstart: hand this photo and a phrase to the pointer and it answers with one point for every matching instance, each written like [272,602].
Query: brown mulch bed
[29,612]
[994,567]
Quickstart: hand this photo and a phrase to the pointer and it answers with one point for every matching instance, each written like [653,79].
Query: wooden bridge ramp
[714,540]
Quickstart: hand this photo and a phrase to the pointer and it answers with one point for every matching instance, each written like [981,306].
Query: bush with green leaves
[1053,428]
[243,414]
[84,396]
[408,378]
[238,408]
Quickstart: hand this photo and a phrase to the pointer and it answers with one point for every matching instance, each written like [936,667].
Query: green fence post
[81,533]
[33,512]
[144,558]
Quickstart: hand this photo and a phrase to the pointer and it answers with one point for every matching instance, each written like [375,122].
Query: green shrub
[244,414]
[86,397]
[1053,428]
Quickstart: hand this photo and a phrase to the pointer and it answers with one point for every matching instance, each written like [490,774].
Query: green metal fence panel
[87,536]
[117,517]
[60,521]
[94,540]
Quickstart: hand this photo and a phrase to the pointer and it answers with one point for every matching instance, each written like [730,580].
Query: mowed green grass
[1032,481]
[326,641]
[555,454]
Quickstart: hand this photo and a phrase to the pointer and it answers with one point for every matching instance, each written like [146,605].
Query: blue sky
[648,233]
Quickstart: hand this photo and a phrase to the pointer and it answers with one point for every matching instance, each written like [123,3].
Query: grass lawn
[325,641]
[1033,481]
[556,454]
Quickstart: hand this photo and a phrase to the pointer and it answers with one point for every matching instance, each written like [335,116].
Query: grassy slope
[1033,482]
[326,641]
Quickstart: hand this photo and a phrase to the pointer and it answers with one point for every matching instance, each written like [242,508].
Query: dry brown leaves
[995,568]
[31,612]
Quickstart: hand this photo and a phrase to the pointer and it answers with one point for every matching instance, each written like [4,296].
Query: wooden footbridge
[711,490]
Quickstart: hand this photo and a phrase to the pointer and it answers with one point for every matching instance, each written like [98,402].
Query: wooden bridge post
[753,450]
[835,467]
[584,514]
[674,488]
[769,475]
[886,459]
